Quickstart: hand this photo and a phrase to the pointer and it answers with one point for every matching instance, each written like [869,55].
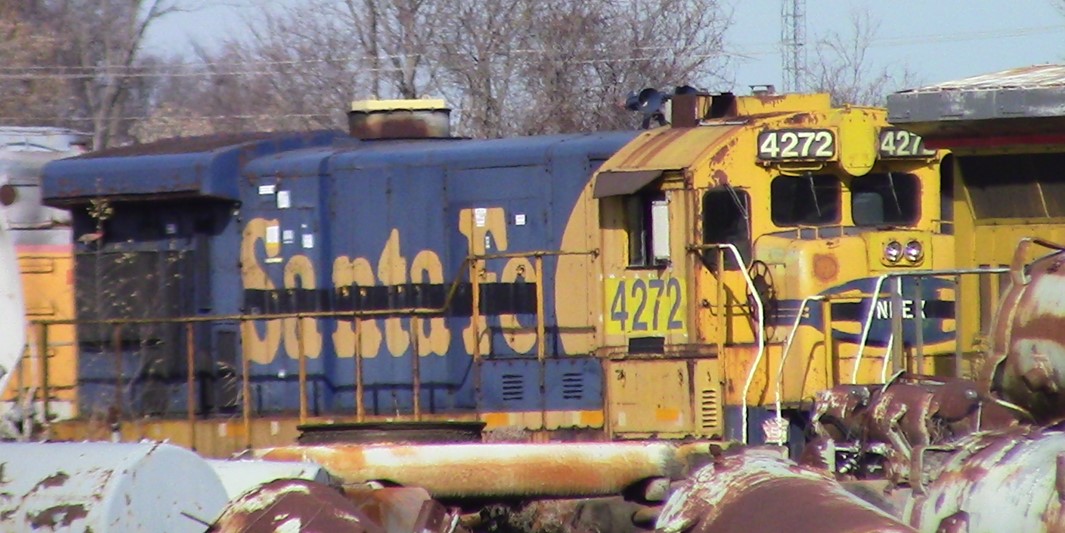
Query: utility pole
[793,44]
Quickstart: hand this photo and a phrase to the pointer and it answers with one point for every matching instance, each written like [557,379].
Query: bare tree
[844,70]
[30,96]
[590,54]
[523,67]
[102,41]
[509,67]
[394,35]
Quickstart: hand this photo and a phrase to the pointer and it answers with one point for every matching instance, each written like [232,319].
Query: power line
[204,68]
[197,66]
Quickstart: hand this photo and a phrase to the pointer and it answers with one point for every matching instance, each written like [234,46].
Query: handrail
[247,318]
[878,288]
[759,333]
[787,349]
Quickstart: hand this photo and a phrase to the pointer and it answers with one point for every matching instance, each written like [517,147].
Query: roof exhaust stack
[399,119]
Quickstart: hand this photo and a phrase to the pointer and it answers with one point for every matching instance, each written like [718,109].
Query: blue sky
[937,40]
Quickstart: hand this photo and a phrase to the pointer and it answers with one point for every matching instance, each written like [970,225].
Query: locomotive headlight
[914,252]
[893,252]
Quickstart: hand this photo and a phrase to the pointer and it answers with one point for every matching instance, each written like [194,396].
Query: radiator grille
[572,386]
[513,388]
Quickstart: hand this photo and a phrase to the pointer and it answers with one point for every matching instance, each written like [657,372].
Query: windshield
[889,199]
[809,200]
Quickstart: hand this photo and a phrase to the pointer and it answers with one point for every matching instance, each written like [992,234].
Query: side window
[726,214]
[890,199]
[808,200]
[647,225]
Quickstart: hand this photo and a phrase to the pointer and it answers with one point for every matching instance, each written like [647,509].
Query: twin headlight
[894,251]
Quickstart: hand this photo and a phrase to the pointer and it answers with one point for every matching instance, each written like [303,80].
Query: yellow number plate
[644,306]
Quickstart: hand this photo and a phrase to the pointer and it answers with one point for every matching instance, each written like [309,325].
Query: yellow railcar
[742,250]
[42,238]
[1007,136]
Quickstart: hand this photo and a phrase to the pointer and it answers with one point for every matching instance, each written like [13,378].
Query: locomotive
[940,453]
[690,280]
[42,239]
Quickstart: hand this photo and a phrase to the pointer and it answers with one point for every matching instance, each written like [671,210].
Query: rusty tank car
[759,490]
[1026,364]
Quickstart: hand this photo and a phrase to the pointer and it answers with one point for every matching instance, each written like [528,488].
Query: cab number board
[781,145]
[897,143]
[645,306]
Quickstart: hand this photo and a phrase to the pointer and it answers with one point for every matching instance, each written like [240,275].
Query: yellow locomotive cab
[740,254]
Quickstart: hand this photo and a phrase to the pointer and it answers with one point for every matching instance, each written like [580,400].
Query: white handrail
[912,273]
[787,349]
[759,333]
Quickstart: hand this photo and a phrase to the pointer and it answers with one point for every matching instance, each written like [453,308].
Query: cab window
[647,226]
[809,200]
[890,199]
[726,214]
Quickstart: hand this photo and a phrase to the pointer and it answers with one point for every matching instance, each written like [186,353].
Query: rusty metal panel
[1007,481]
[757,491]
[493,470]
[1026,361]
[105,487]
[293,505]
[668,149]
[649,396]
[403,509]
[984,105]
[240,476]
[619,183]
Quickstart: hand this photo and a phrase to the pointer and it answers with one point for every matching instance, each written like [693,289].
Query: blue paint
[937,311]
[349,196]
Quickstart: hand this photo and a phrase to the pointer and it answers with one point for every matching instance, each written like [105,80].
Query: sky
[935,40]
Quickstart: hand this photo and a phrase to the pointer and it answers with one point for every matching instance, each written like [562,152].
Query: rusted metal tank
[303,505]
[871,432]
[293,505]
[240,476]
[106,487]
[1012,480]
[1026,364]
[759,491]
[494,470]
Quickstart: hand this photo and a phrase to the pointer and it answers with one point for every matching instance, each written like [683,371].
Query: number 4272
[653,305]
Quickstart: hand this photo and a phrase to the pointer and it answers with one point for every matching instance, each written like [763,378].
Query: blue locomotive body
[359,257]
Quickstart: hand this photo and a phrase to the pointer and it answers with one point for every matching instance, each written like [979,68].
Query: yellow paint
[521,338]
[299,268]
[392,270]
[492,223]
[260,348]
[577,312]
[721,156]
[644,306]
[709,398]
[346,272]
[426,267]
[857,154]
[648,396]
[48,293]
